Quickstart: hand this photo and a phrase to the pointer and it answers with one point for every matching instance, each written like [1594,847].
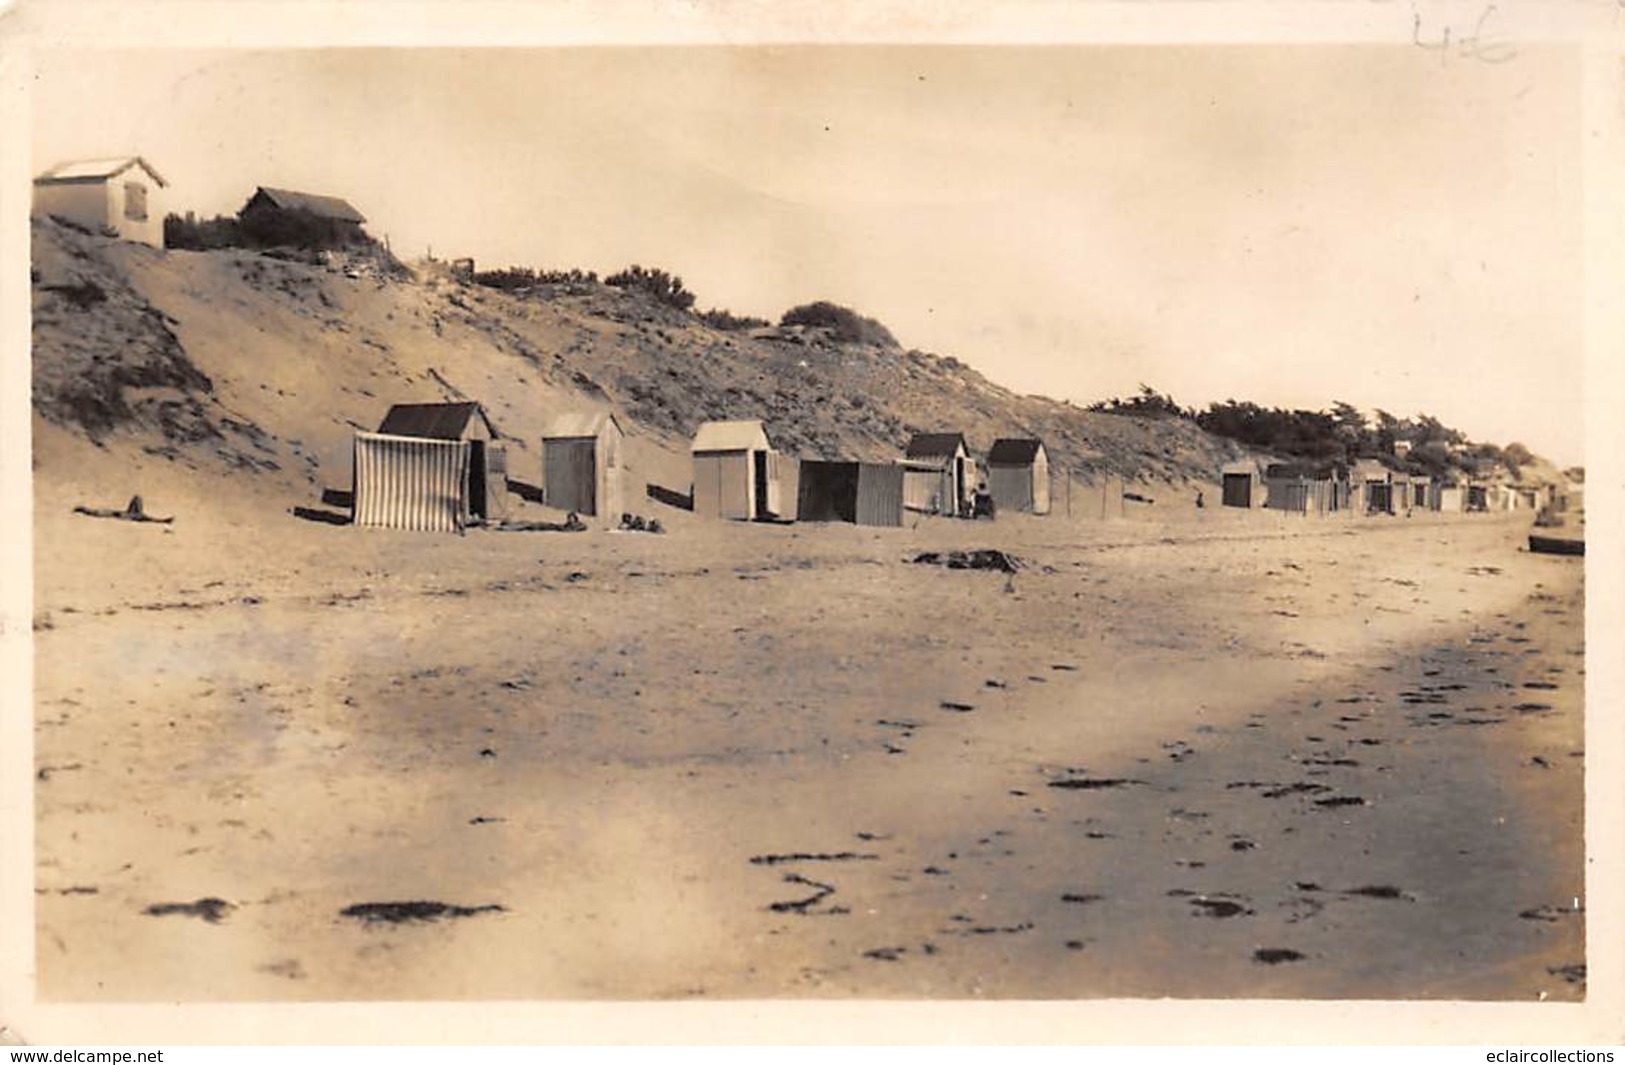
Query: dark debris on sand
[1275,955]
[981,558]
[420,910]
[210,909]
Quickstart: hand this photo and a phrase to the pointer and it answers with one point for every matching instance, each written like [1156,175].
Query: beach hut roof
[432,421]
[1010,451]
[935,445]
[731,436]
[97,170]
[578,425]
[1303,469]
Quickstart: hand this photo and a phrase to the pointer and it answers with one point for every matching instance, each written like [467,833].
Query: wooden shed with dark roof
[283,216]
[939,474]
[435,467]
[1018,475]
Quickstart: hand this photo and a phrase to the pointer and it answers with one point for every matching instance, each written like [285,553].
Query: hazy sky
[1385,225]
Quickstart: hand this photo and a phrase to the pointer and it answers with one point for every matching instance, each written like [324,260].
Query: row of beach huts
[442,467]
[1373,487]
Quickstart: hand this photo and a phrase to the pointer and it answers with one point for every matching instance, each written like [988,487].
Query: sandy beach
[1215,754]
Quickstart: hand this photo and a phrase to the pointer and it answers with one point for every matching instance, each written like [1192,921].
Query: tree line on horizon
[1337,437]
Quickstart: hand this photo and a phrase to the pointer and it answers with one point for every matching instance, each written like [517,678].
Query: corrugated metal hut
[1018,475]
[735,474]
[939,476]
[120,194]
[863,493]
[1449,499]
[582,465]
[1241,483]
[430,466]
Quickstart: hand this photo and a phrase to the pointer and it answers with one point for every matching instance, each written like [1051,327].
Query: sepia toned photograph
[809,521]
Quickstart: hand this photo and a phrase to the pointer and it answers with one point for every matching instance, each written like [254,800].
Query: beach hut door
[759,472]
[476,479]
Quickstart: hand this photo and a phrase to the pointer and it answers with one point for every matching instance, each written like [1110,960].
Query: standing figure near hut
[982,504]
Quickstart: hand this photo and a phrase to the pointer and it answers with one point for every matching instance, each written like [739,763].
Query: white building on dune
[121,195]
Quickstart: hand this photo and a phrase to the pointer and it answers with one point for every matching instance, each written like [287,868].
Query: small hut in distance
[581,463]
[1374,483]
[1018,475]
[283,216]
[1241,484]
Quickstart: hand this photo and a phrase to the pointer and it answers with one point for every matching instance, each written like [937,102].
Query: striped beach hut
[431,467]
[582,465]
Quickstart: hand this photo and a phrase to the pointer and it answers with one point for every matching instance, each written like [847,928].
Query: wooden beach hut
[1424,493]
[1400,491]
[432,467]
[1286,487]
[1373,487]
[1018,475]
[1241,484]
[285,216]
[736,475]
[582,464]
[939,476]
